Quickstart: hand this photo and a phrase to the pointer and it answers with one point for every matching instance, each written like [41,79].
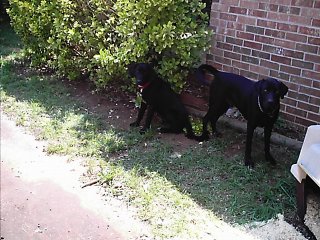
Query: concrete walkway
[41,197]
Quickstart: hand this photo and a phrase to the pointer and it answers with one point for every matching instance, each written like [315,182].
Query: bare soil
[123,112]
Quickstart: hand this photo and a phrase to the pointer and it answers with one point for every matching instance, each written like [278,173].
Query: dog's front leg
[267,135]
[142,109]
[247,158]
[150,113]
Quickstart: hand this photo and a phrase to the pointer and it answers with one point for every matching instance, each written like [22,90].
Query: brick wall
[272,38]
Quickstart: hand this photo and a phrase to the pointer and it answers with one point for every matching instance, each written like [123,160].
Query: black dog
[258,102]
[158,97]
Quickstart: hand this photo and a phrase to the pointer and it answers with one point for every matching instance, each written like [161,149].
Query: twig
[90,183]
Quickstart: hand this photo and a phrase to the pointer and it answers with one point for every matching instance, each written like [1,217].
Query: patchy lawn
[178,186]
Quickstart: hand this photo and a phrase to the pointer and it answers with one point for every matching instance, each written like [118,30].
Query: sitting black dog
[258,102]
[158,96]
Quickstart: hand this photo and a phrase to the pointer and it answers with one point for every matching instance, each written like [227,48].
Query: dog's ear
[283,89]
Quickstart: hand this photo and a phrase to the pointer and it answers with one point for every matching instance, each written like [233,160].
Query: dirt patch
[117,108]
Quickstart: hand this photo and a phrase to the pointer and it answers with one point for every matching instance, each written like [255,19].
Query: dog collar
[259,104]
[142,87]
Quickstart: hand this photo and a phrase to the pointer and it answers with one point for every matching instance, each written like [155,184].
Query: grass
[180,193]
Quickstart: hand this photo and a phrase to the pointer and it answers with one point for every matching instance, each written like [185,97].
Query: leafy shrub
[100,38]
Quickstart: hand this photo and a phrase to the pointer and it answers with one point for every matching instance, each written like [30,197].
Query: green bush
[100,38]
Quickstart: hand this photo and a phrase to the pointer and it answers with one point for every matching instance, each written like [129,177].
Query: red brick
[269,7]
[240,65]
[303,64]
[301,81]
[222,60]
[287,27]
[296,111]
[270,65]
[314,41]
[307,48]
[227,68]
[284,9]
[230,32]
[269,49]
[245,35]
[266,23]
[230,2]
[249,4]
[280,59]
[310,91]
[253,45]
[234,41]
[315,101]
[314,117]
[257,13]
[301,20]
[242,50]
[263,39]
[259,69]
[238,10]
[225,46]
[249,74]
[309,31]
[290,70]
[249,59]
[293,54]
[284,44]
[311,75]
[246,20]
[283,2]
[281,75]
[304,122]
[288,117]
[310,12]
[290,101]
[308,107]
[275,33]
[228,17]
[254,29]
[302,3]
[235,25]
[316,22]
[278,16]
[232,55]
[261,54]
[316,84]
[296,37]
[295,10]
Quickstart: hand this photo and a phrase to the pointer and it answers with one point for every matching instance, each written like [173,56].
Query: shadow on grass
[212,174]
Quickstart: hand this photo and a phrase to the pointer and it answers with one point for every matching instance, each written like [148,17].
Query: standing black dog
[258,102]
[158,97]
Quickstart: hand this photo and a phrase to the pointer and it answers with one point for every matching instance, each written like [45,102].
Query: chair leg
[301,199]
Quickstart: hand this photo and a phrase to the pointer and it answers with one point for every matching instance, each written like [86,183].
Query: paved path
[41,197]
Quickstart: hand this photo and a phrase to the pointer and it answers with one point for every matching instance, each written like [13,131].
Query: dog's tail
[200,73]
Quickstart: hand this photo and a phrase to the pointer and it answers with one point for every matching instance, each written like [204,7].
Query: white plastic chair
[308,164]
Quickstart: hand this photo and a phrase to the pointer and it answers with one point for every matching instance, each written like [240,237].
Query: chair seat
[309,163]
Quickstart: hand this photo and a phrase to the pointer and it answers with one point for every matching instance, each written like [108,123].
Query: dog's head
[143,72]
[270,91]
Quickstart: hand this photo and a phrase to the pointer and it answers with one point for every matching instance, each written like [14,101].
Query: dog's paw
[134,124]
